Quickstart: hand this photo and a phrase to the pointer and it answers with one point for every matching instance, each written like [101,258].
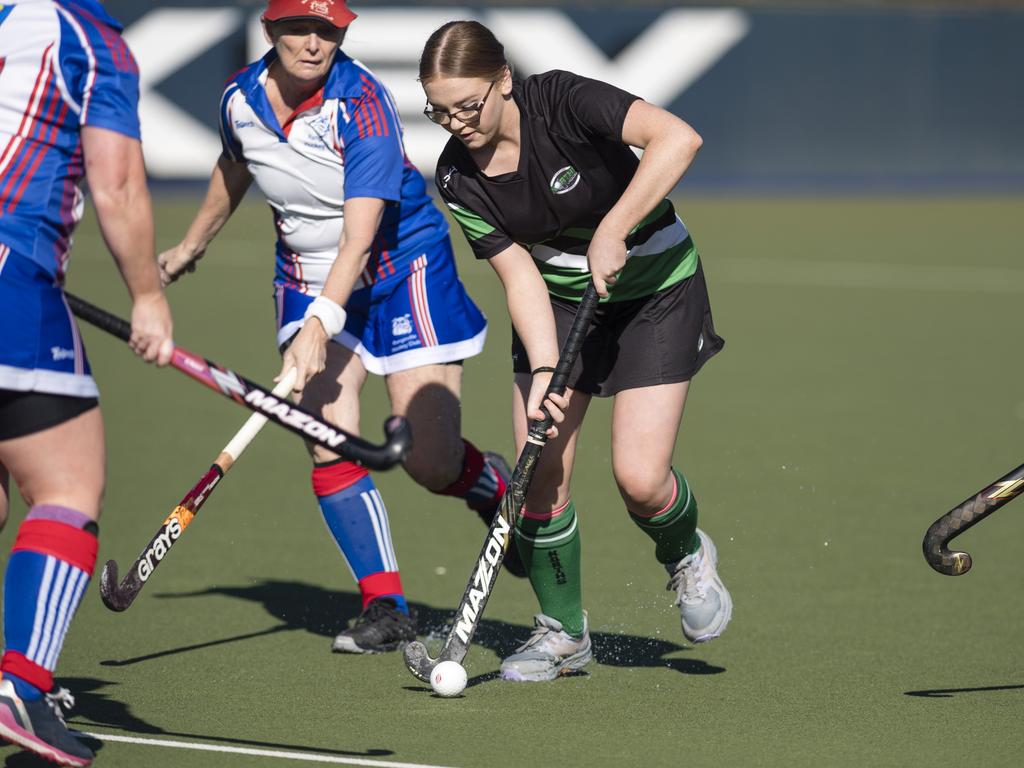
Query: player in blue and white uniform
[68,113]
[365,282]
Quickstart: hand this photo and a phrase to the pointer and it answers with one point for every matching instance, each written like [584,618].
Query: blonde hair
[462,49]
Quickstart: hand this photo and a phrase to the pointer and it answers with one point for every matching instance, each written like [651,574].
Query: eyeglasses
[467,115]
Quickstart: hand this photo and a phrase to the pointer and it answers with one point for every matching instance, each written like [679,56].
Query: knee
[644,489]
[431,475]
[548,490]
[432,468]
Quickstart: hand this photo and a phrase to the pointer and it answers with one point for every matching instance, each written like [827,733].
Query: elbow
[116,186]
[694,142]
[119,195]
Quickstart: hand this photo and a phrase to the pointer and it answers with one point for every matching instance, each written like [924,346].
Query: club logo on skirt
[401,325]
[565,180]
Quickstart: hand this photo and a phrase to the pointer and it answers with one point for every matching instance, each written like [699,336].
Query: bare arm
[228,184]
[308,352]
[116,174]
[669,146]
[529,306]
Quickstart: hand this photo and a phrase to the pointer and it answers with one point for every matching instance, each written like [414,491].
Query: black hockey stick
[971,512]
[478,590]
[254,397]
[119,596]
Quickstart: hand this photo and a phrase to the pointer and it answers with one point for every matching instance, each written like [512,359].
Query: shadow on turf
[96,708]
[946,693]
[309,608]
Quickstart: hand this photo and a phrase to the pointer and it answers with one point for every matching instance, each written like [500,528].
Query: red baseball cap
[332,11]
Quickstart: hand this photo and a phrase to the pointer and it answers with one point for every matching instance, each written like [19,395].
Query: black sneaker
[512,562]
[381,627]
[38,726]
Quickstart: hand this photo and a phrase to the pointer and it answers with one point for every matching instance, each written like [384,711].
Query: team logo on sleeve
[565,180]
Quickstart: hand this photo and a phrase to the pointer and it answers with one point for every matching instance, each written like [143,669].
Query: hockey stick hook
[963,516]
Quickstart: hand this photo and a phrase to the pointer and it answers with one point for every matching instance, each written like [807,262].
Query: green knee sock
[550,550]
[674,530]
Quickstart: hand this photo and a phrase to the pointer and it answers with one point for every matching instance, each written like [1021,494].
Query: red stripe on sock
[63,541]
[380,584]
[544,515]
[331,478]
[666,508]
[18,664]
[472,466]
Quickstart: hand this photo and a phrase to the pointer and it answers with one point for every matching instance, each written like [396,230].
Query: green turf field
[871,380]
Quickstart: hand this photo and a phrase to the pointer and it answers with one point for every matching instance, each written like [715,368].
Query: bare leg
[550,487]
[355,513]
[428,397]
[547,535]
[60,473]
[63,465]
[645,426]
[334,394]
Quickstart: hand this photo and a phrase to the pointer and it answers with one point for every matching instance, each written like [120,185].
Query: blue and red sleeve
[103,73]
[372,144]
[229,142]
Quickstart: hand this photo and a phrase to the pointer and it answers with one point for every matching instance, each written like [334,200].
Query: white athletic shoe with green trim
[705,605]
[550,652]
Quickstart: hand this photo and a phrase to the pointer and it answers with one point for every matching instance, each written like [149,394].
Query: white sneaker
[548,653]
[705,605]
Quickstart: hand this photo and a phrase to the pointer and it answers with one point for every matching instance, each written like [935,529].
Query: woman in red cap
[365,282]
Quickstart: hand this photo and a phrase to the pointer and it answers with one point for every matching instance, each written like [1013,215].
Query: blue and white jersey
[345,141]
[63,65]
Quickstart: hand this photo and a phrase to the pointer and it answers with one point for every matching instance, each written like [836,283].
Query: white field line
[856,274]
[272,753]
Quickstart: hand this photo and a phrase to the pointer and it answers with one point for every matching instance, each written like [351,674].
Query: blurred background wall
[790,96]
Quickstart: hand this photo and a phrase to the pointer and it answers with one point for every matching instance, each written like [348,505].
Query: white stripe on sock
[44,591]
[60,611]
[549,541]
[60,581]
[371,511]
[386,528]
[72,597]
[487,484]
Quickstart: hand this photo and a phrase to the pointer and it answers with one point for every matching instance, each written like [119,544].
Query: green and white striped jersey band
[660,253]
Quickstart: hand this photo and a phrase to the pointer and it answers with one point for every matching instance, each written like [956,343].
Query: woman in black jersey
[540,175]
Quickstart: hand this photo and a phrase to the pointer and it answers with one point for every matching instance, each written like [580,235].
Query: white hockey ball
[448,679]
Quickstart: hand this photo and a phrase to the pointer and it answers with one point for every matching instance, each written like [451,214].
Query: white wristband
[330,314]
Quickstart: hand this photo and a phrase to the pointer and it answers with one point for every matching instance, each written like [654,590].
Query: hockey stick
[478,590]
[256,398]
[971,512]
[117,597]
